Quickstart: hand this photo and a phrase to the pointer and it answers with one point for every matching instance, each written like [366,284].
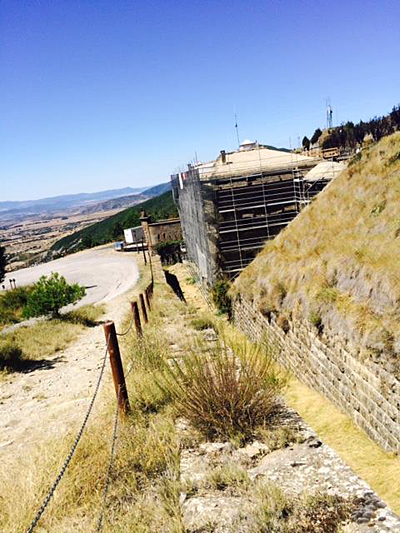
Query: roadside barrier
[122,404]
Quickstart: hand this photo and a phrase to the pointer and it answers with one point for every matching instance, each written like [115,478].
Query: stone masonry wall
[362,389]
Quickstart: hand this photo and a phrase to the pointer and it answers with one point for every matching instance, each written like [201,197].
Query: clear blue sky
[103,94]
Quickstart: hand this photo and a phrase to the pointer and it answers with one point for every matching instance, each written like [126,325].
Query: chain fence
[127,330]
[67,461]
[110,467]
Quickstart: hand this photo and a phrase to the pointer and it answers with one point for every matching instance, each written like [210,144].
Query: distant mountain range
[81,202]
[111,228]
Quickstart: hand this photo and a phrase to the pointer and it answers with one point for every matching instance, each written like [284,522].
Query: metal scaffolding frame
[253,209]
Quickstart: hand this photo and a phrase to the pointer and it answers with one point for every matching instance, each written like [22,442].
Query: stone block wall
[364,390]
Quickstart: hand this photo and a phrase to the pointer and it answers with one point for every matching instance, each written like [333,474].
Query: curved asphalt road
[104,272]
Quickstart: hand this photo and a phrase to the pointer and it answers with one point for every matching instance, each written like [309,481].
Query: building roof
[246,162]
[325,170]
[165,221]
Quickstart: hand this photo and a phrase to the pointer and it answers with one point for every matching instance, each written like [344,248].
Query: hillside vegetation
[337,263]
[112,228]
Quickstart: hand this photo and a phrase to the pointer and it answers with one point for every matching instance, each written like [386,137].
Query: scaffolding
[253,209]
[228,211]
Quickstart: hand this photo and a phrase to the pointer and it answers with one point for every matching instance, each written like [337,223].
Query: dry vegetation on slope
[338,263]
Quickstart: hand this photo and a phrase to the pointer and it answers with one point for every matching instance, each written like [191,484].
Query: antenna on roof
[329,114]
[237,130]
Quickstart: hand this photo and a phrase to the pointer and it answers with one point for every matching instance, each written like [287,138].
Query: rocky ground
[304,465]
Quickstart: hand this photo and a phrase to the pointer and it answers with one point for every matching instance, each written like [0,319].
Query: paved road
[105,273]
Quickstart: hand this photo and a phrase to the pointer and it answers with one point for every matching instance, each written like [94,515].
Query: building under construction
[231,206]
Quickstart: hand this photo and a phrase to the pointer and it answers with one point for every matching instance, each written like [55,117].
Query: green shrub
[220,296]
[12,303]
[50,294]
[10,356]
[222,393]
[7,317]
[15,299]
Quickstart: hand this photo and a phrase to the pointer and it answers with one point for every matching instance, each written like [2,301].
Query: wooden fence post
[144,254]
[143,306]
[116,367]
[136,318]
[146,292]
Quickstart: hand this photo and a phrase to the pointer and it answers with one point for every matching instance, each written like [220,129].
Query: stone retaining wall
[362,389]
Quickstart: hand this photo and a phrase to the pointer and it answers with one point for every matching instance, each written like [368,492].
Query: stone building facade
[161,231]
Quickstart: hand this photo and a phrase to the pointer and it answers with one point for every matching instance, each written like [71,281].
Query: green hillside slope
[112,228]
[338,263]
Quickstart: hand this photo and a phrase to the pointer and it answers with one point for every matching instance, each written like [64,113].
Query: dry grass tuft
[224,392]
[276,512]
[230,477]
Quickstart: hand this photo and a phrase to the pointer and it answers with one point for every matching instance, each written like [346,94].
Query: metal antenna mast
[237,131]
[329,114]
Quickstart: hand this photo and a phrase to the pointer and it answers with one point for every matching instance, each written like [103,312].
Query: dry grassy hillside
[338,263]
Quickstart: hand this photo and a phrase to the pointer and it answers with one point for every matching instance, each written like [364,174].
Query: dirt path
[51,401]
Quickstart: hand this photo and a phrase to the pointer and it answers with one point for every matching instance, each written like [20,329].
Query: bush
[10,356]
[224,394]
[220,296]
[15,299]
[12,303]
[50,294]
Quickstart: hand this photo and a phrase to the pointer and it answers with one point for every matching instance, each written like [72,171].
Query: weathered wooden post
[143,306]
[151,287]
[146,292]
[144,255]
[136,318]
[116,367]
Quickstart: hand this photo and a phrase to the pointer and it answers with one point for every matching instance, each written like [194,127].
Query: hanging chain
[110,466]
[72,450]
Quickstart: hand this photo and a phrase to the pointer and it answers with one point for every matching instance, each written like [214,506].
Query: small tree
[316,135]
[3,263]
[50,294]
[306,143]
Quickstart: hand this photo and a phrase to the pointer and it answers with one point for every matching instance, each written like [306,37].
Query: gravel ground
[105,273]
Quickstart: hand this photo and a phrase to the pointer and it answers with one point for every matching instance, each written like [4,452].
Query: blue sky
[104,94]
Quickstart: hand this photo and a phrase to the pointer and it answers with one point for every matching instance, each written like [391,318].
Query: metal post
[144,255]
[143,306]
[136,318]
[116,367]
